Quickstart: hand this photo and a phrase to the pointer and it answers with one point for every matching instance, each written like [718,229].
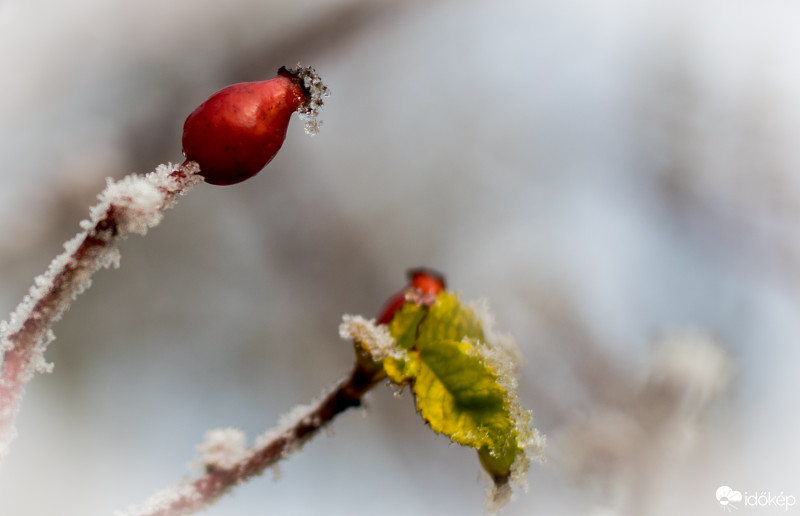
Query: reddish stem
[201,492]
[67,276]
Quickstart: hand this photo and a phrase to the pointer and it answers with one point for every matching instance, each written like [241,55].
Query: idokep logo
[729,499]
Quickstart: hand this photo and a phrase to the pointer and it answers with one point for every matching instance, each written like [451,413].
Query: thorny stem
[197,494]
[24,338]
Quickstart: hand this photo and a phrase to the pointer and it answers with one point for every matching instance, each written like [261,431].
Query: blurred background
[618,178]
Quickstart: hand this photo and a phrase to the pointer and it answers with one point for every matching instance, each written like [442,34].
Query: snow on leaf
[499,349]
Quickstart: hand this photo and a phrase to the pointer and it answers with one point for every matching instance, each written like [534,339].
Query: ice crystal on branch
[375,338]
[229,463]
[223,448]
[132,205]
[136,203]
[173,501]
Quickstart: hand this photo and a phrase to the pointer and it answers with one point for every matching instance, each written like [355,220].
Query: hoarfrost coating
[375,338]
[223,448]
[500,350]
[132,205]
[317,92]
[229,462]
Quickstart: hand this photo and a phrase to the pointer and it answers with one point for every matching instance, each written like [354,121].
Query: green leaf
[404,328]
[405,324]
[402,370]
[459,396]
[458,388]
[448,319]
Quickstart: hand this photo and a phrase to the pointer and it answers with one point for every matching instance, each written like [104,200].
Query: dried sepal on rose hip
[240,128]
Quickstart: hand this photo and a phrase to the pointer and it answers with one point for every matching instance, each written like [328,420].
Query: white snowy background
[605,173]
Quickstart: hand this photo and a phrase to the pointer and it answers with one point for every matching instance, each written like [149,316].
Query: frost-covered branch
[132,205]
[228,463]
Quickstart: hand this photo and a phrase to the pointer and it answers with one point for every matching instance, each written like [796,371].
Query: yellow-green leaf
[402,370]
[460,396]
[459,392]
[405,324]
[448,319]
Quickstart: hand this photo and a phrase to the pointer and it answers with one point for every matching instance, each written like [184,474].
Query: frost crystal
[184,496]
[136,203]
[501,352]
[229,463]
[223,448]
[497,497]
[317,91]
[132,205]
[375,338]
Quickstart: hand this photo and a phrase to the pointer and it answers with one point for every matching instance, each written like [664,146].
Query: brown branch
[192,496]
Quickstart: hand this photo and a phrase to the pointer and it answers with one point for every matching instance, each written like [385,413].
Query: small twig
[132,205]
[222,475]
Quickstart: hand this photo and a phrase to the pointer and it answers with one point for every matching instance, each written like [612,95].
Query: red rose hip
[426,283]
[239,129]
